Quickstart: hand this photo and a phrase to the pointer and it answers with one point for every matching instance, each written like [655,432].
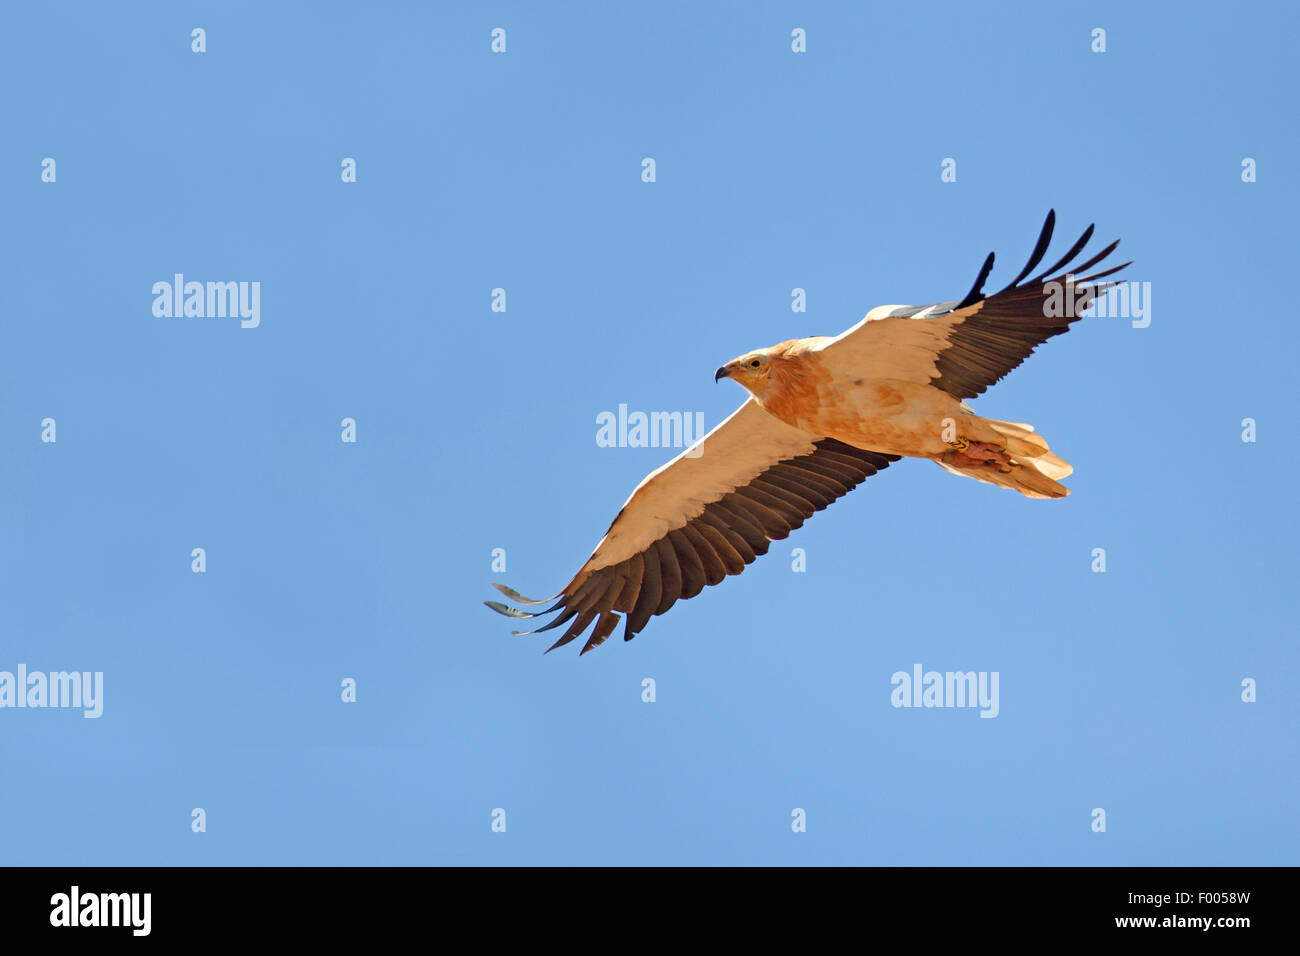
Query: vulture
[822,415]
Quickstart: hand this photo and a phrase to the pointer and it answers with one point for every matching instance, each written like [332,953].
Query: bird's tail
[1030,467]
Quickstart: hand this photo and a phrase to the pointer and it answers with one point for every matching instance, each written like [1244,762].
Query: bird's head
[751,370]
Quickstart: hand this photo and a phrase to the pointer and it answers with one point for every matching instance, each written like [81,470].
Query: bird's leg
[973,454]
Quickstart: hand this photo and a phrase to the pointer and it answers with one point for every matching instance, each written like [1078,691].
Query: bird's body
[825,413]
[882,414]
[804,383]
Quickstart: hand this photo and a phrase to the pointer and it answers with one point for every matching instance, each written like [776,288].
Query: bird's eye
[755,363]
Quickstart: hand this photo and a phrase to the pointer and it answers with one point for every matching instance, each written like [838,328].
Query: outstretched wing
[968,344]
[706,514]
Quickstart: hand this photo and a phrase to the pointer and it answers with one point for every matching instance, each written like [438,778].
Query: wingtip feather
[519,598]
[508,611]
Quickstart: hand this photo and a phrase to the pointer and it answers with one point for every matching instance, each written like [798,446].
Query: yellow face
[750,370]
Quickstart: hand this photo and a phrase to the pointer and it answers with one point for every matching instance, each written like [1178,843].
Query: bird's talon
[970,453]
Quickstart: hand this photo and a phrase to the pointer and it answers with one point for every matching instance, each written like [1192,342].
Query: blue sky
[476,430]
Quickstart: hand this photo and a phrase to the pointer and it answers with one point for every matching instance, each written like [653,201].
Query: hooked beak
[720,374]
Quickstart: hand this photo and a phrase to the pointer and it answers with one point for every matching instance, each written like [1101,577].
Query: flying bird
[823,415]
